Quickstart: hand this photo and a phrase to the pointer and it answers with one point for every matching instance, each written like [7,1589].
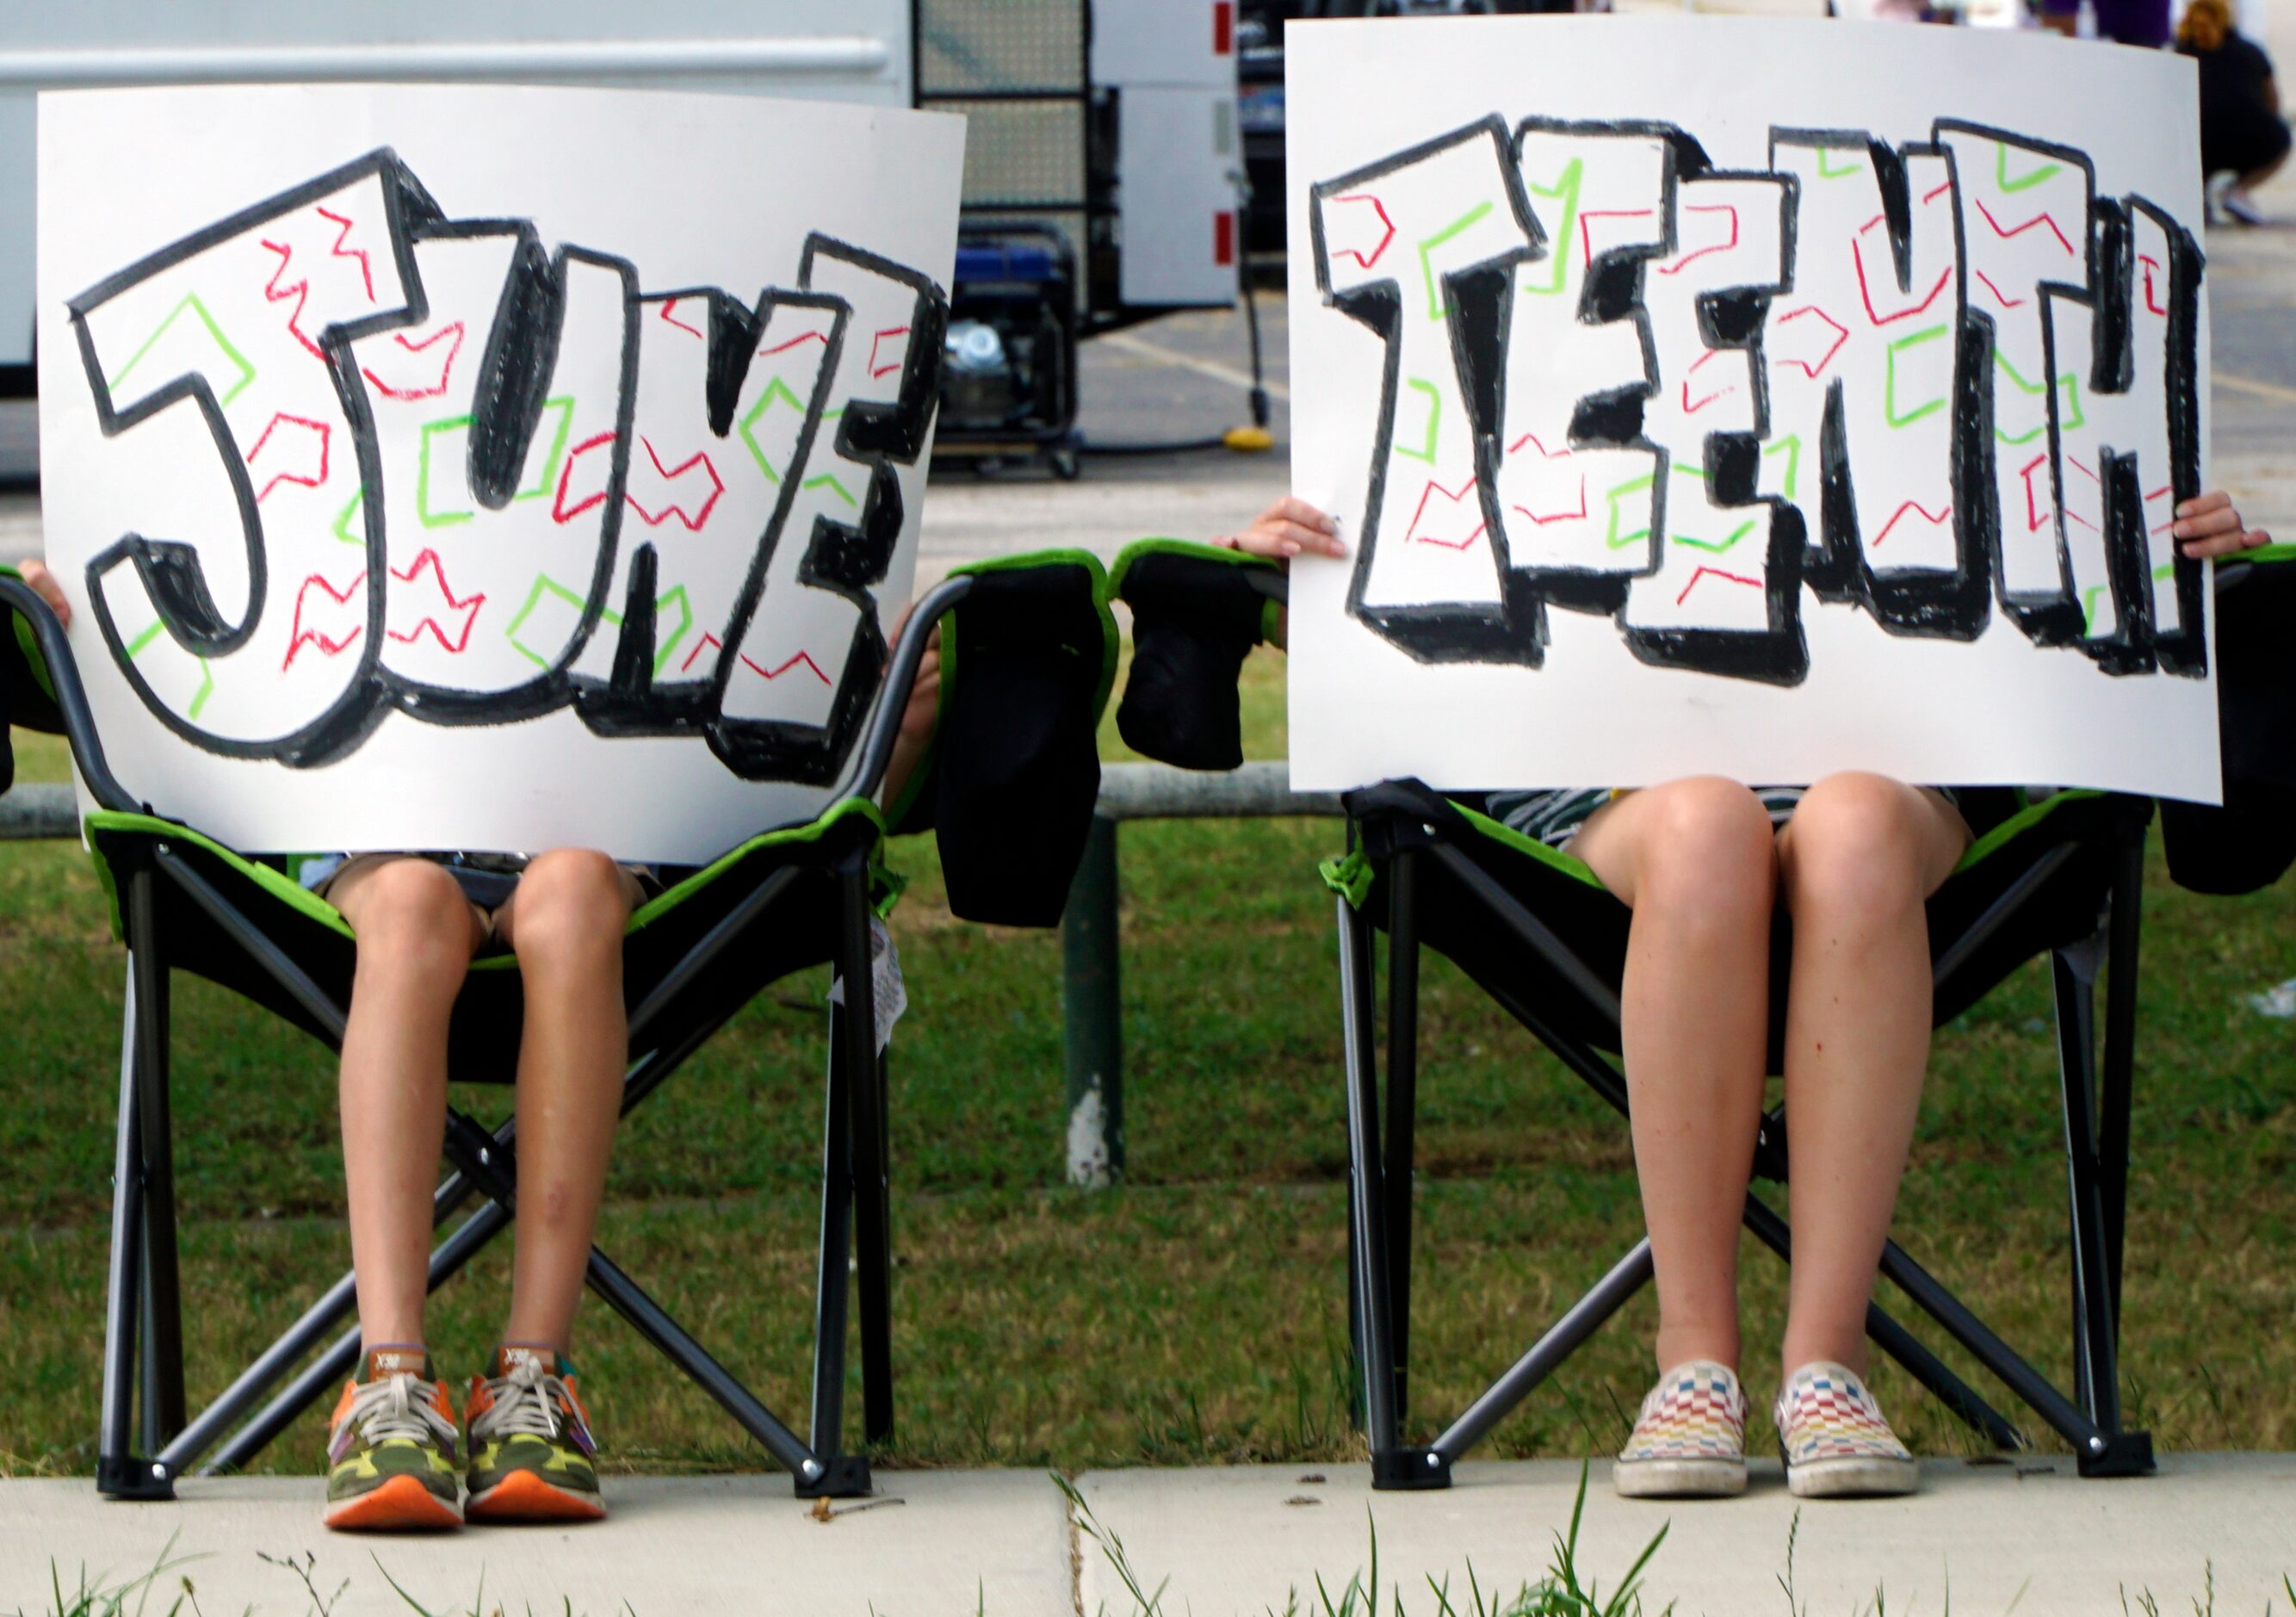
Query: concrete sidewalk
[1981,1538]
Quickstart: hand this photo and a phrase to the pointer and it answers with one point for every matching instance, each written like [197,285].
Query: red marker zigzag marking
[1938,515]
[366,270]
[299,637]
[446,368]
[468,605]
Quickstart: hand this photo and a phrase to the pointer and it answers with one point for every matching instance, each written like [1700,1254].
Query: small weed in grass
[131,1598]
[1562,1592]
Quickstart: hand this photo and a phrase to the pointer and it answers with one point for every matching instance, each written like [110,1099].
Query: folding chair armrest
[893,695]
[2248,843]
[1197,611]
[1009,781]
[23,689]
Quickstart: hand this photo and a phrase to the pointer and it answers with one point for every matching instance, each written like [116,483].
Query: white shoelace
[398,1407]
[525,1401]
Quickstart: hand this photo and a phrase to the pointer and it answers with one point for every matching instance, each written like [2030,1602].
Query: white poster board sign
[1763,399]
[487,468]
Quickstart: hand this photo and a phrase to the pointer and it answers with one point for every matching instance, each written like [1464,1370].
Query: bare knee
[412,924]
[1855,849]
[1706,852]
[569,910]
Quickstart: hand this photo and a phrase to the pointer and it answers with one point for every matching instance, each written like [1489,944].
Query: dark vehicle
[1259,72]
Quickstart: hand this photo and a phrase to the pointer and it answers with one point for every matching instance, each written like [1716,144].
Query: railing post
[1093,1002]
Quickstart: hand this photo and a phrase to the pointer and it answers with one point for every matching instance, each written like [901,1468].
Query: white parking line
[1189,362]
[2256,389]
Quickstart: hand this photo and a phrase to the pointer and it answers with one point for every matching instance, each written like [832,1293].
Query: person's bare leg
[1855,865]
[416,933]
[564,922]
[1696,861]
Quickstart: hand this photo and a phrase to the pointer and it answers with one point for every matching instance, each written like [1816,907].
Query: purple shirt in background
[2142,22]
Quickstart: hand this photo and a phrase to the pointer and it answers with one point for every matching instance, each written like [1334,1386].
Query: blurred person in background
[2244,138]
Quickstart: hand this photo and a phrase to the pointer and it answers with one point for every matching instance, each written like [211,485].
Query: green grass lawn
[1197,1313]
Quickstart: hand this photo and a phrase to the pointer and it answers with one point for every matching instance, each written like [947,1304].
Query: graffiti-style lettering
[1918,379]
[476,481]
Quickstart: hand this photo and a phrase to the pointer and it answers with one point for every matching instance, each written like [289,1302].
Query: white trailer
[855,50]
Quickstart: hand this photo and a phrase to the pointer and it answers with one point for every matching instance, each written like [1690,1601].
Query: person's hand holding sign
[1289,527]
[2208,527]
[45,586]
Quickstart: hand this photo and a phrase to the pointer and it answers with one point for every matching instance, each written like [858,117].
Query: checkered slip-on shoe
[1690,1442]
[1833,1438]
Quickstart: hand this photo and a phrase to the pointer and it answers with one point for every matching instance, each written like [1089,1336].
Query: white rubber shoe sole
[1853,1477]
[1678,1479]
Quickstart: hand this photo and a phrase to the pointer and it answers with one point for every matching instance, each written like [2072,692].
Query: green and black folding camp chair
[1537,931]
[1027,649]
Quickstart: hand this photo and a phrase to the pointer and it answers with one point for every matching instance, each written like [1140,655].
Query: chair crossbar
[342,1355]
[1380,1210]
[1996,914]
[1530,929]
[317,1001]
[713,943]
[645,1076]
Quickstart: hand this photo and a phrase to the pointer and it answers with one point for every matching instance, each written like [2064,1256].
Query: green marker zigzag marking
[1558,259]
[1613,539]
[2024,182]
[427,517]
[775,389]
[207,674]
[548,478]
[684,622]
[836,487]
[1465,221]
[2089,608]
[2069,381]
[1743,529]
[1434,418]
[1907,418]
[192,303]
[1852,167]
[543,584]
[1717,545]
[342,527]
[1790,446]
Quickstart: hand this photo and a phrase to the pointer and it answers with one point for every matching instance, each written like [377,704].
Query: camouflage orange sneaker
[390,1451]
[532,1456]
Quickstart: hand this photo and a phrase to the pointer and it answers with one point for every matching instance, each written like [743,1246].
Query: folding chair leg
[334,1366]
[646,1318]
[119,1474]
[2097,1370]
[162,1410]
[1900,1343]
[1585,1317]
[856,1035]
[2120,1051]
[844,1473]
[1392,1465]
[1402,1107]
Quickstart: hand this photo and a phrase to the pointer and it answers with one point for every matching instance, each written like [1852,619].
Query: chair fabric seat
[1592,922]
